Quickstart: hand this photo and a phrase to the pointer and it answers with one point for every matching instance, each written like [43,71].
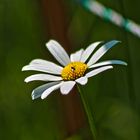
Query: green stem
[89,114]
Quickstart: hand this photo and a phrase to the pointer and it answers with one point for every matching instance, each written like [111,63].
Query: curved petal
[58,52]
[37,92]
[101,51]
[98,70]
[82,80]
[88,51]
[108,62]
[46,63]
[49,68]
[42,77]
[76,56]
[49,90]
[67,86]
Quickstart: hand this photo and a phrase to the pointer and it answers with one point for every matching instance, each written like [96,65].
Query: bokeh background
[113,96]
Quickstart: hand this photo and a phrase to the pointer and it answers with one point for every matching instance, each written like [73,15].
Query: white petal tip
[43,97]
[110,67]
[33,98]
[118,41]
[125,64]
[64,92]
[66,87]
[49,42]
[26,81]
[32,95]
[25,68]
[82,80]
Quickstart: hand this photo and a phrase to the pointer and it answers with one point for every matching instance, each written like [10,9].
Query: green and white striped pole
[111,15]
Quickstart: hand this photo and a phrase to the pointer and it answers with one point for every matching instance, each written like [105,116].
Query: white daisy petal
[37,92]
[49,90]
[50,68]
[42,77]
[75,57]
[40,61]
[98,70]
[46,63]
[58,52]
[67,86]
[82,80]
[101,51]
[107,63]
[88,51]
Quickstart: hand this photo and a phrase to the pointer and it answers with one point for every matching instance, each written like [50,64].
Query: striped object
[111,15]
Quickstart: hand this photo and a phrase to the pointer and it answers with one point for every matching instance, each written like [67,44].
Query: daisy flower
[72,70]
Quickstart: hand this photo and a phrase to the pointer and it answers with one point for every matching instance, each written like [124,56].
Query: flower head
[77,68]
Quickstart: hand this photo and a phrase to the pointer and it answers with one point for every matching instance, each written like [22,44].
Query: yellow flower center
[73,70]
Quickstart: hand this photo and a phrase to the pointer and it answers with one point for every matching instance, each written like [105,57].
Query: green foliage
[113,96]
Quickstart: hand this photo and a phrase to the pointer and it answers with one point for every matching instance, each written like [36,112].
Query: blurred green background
[113,96]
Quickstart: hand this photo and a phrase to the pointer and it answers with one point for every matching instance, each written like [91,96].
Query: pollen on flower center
[73,70]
